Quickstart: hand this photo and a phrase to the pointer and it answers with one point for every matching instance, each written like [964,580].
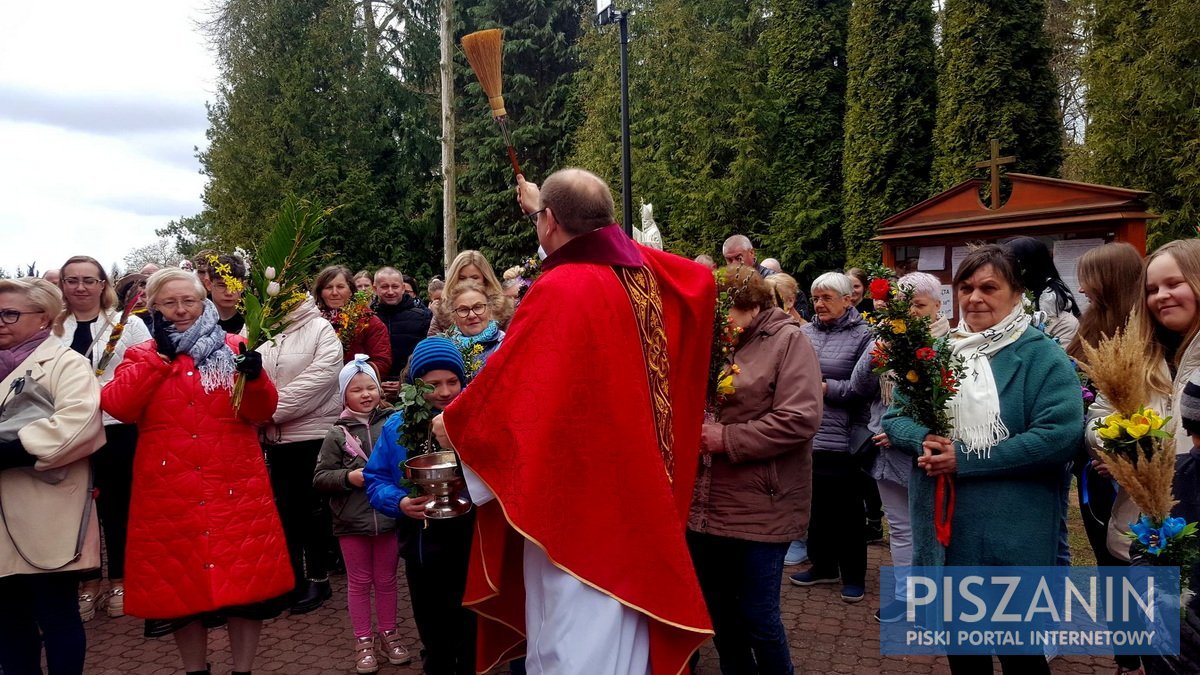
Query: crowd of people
[123,428]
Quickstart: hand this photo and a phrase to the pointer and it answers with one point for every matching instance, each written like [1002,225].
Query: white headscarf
[975,409]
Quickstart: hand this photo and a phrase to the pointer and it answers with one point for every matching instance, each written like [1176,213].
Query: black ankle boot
[311,596]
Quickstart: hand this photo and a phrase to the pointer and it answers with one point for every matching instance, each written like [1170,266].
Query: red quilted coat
[204,532]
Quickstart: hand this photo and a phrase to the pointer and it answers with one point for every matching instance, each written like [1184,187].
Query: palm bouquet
[416,428]
[1137,448]
[721,367]
[278,281]
[925,374]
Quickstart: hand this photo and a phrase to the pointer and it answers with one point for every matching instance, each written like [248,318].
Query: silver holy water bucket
[439,475]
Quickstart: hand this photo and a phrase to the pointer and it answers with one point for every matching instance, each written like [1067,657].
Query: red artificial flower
[880,289]
[948,380]
[878,358]
[926,354]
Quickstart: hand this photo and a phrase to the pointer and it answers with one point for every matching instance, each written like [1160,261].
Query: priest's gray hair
[833,281]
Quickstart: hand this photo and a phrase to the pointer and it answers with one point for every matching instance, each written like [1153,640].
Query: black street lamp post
[605,14]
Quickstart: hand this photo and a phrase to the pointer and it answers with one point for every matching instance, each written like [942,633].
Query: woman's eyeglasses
[172,305]
[10,316]
[87,282]
[477,310]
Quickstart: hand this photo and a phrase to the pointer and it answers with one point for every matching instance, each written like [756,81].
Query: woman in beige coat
[304,363]
[50,423]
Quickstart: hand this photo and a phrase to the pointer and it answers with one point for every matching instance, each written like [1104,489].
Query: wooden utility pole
[449,214]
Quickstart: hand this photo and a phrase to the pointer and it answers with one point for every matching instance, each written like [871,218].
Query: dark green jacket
[1009,507]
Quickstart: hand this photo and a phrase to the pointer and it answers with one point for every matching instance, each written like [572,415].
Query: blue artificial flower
[1148,535]
[1172,527]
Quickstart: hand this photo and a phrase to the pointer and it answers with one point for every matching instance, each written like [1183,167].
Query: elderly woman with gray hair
[205,544]
[891,467]
[49,424]
[836,536]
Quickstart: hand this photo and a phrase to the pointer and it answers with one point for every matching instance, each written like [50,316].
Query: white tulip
[269,273]
[273,289]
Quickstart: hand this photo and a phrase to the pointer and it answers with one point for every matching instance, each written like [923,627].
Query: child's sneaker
[364,655]
[391,646]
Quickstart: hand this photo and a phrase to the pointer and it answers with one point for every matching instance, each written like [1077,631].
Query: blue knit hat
[436,353]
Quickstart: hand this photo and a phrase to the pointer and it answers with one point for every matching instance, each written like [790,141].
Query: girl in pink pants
[367,537]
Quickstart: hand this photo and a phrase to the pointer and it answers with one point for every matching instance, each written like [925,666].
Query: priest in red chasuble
[580,441]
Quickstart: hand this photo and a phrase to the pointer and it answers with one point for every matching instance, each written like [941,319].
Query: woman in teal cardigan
[1018,419]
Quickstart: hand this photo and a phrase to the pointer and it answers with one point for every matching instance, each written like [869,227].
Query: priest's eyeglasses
[477,309]
[532,216]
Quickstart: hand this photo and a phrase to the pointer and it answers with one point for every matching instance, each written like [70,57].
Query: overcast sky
[101,104]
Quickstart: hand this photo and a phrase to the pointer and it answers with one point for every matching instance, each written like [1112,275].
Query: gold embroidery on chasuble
[644,295]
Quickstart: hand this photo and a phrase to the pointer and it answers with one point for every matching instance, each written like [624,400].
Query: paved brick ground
[826,634]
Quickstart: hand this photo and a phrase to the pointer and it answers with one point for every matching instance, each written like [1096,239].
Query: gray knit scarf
[204,341]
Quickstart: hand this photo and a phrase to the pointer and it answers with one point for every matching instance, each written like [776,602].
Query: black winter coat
[407,323]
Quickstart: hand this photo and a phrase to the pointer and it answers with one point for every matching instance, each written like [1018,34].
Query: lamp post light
[605,14]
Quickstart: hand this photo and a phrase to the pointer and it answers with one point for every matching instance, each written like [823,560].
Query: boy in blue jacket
[435,552]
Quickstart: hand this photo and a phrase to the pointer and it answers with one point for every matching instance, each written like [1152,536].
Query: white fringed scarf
[975,410]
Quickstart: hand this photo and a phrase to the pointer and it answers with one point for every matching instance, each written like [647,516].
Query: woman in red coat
[334,292]
[205,544]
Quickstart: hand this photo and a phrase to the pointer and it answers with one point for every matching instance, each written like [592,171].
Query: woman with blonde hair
[475,326]
[89,317]
[474,266]
[785,289]
[1168,310]
[51,402]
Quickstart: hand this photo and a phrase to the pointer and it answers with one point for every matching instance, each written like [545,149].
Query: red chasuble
[586,424]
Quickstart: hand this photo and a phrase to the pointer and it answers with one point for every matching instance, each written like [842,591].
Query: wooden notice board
[1070,217]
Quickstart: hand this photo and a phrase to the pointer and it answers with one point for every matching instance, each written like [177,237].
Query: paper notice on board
[947,308]
[1067,253]
[932,258]
[957,255]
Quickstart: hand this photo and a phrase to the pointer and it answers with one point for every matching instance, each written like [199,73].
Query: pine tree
[698,118]
[994,81]
[890,105]
[1143,76]
[303,107]
[806,48]
[540,62]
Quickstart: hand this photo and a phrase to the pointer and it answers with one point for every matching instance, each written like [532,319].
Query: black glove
[12,455]
[162,338]
[248,363]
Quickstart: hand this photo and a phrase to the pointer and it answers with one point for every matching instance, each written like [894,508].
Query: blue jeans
[740,582]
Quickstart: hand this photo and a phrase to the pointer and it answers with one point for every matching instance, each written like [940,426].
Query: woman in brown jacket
[755,479]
